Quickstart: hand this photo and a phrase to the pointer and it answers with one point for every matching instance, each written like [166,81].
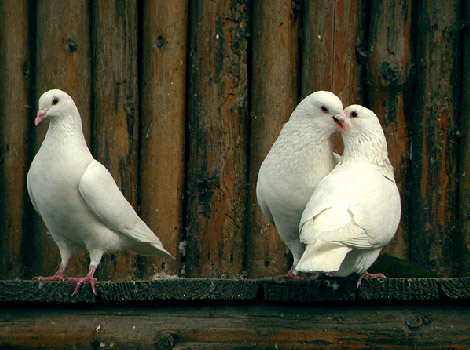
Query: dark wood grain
[274,96]
[464,174]
[163,125]
[62,61]
[240,327]
[388,75]
[217,127]
[432,189]
[116,109]
[15,124]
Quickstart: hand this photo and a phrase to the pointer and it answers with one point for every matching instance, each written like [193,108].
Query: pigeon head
[54,105]
[365,138]
[328,111]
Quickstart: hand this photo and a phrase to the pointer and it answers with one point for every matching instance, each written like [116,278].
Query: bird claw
[291,275]
[88,278]
[369,275]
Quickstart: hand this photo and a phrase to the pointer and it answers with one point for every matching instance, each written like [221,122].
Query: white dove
[355,210]
[77,197]
[299,159]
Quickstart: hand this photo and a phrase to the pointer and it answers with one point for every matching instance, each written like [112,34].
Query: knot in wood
[161,42]
[388,71]
[73,46]
[165,340]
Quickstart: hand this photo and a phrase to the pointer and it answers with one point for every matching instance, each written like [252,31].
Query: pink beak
[40,116]
[342,122]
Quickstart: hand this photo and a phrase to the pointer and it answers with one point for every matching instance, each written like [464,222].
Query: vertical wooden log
[333,41]
[434,142]
[274,97]
[464,184]
[217,138]
[62,61]
[163,123]
[388,77]
[15,123]
[115,109]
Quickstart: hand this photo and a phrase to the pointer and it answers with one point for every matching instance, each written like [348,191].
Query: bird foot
[291,275]
[370,275]
[58,276]
[88,278]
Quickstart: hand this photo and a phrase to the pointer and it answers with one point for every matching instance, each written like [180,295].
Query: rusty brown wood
[464,175]
[62,61]
[388,75]
[163,124]
[432,186]
[333,50]
[274,96]
[15,125]
[217,126]
[116,109]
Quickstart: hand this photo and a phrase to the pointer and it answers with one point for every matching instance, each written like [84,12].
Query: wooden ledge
[224,290]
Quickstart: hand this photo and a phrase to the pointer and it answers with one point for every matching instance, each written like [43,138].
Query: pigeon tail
[144,242]
[322,256]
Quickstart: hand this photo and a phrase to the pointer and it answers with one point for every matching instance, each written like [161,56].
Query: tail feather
[144,242]
[322,257]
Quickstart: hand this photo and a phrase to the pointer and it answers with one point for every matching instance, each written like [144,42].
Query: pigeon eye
[55,101]
[353,114]
[324,109]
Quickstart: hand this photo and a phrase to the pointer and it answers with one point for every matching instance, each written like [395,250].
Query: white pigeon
[77,197]
[355,211]
[299,159]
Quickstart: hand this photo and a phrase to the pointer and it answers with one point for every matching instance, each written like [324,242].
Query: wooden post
[333,49]
[464,183]
[274,97]
[388,75]
[116,109]
[62,61]
[15,125]
[433,156]
[217,152]
[163,124]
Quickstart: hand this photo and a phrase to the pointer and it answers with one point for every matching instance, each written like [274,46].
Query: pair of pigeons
[344,220]
[334,213]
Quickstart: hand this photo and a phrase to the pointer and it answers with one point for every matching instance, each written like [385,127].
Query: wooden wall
[181,100]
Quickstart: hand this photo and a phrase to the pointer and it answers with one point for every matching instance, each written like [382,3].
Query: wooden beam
[163,125]
[388,76]
[15,124]
[274,97]
[217,127]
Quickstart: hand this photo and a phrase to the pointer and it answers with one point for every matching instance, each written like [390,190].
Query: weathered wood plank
[217,159]
[62,61]
[388,75]
[242,327]
[274,96]
[116,109]
[163,125]
[432,185]
[333,41]
[389,289]
[464,175]
[15,125]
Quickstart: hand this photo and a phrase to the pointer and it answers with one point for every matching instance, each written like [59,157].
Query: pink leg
[291,275]
[88,278]
[370,275]
[58,276]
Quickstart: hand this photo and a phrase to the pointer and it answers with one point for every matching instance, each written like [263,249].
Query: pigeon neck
[65,126]
[369,148]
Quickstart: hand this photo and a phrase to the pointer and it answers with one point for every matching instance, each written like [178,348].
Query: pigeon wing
[104,199]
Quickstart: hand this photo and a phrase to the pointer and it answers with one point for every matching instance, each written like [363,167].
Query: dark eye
[324,109]
[55,101]
[353,114]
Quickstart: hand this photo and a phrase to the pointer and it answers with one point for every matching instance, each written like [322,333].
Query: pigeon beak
[40,116]
[342,122]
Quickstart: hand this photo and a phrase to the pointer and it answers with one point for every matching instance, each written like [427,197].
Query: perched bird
[301,156]
[355,210]
[77,197]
